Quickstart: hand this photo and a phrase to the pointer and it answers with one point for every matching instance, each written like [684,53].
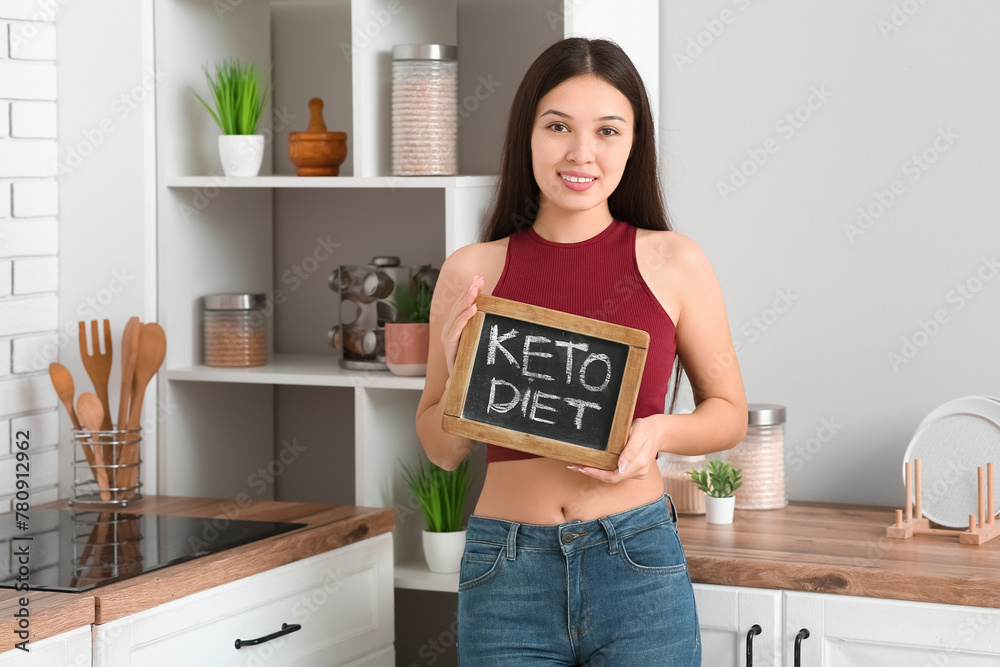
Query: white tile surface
[24,80]
[34,199]
[22,158]
[28,315]
[33,354]
[32,41]
[29,237]
[33,120]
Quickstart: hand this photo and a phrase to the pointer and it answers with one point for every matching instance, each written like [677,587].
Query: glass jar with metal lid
[761,457]
[424,109]
[234,329]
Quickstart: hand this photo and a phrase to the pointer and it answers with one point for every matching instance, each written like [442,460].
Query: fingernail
[623,466]
[571,467]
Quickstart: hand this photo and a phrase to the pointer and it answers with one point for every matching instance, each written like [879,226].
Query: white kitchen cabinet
[218,430]
[68,649]
[847,631]
[843,630]
[342,600]
[726,615]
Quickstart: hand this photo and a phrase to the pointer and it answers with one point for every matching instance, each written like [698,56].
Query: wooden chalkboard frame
[607,459]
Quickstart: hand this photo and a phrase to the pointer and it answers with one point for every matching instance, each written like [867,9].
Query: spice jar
[761,457]
[424,109]
[234,330]
[687,497]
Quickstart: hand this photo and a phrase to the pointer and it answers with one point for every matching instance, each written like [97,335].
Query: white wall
[816,306]
[29,255]
[106,223]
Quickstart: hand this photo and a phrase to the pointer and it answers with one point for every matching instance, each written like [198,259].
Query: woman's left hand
[638,459]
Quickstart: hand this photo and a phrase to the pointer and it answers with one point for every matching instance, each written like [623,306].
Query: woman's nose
[582,150]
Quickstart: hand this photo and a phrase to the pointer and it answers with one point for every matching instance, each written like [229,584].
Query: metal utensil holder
[109,474]
[106,545]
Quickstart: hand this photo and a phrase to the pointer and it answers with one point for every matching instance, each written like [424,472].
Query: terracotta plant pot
[406,348]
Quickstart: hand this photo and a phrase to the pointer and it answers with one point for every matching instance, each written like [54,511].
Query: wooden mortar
[317,152]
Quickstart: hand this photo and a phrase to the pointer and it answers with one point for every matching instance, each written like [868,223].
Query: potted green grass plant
[441,494]
[719,481]
[239,95]
[408,338]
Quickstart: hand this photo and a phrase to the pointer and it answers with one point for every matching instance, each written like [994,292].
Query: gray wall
[819,303]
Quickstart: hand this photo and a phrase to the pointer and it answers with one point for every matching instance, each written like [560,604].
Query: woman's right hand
[461,313]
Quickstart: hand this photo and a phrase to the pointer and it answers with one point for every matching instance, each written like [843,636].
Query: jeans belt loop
[609,528]
[673,510]
[512,541]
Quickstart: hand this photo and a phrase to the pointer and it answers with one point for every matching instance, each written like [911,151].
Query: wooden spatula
[152,352]
[91,414]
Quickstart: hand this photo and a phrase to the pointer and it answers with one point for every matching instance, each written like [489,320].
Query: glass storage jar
[687,497]
[424,109]
[761,457]
[234,330]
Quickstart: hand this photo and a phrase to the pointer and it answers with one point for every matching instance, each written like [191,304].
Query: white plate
[951,442]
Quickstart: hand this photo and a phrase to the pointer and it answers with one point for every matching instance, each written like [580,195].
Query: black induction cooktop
[72,550]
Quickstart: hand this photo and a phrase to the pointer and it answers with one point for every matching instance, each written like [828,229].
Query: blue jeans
[614,591]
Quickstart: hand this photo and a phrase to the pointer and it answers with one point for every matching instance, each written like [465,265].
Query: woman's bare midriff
[545,491]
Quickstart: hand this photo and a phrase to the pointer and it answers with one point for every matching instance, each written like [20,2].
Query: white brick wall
[33,41]
[33,120]
[29,237]
[35,353]
[33,199]
[29,240]
[32,276]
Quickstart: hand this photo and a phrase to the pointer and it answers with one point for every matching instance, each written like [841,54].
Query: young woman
[573,565]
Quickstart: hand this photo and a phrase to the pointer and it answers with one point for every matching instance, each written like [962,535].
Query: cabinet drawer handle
[755,630]
[286,629]
[803,634]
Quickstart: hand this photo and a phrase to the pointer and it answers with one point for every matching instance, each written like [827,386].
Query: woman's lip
[577,187]
[576,174]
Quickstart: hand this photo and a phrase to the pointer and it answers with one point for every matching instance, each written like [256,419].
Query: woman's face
[580,143]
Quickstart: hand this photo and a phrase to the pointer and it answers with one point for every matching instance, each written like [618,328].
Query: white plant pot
[719,510]
[443,551]
[241,154]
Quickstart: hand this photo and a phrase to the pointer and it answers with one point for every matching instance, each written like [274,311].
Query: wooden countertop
[327,528]
[841,549]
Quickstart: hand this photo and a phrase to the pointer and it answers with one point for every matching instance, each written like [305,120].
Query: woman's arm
[706,350]
[678,267]
[452,307]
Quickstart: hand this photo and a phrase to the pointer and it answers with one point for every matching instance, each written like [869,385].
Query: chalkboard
[546,382]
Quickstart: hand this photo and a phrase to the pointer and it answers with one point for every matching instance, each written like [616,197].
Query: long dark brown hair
[638,199]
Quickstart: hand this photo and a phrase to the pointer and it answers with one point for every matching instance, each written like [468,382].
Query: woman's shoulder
[670,248]
[476,259]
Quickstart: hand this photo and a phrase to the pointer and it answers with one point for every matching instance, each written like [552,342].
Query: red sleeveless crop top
[597,278]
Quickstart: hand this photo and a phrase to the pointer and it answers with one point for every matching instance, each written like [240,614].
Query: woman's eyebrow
[566,115]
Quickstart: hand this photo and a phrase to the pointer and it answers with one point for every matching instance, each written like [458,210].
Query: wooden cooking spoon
[91,413]
[130,346]
[62,380]
[152,352]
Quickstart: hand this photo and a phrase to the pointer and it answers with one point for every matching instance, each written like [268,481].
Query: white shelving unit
[218,234]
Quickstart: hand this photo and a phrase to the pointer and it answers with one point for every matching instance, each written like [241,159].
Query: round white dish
[951,442]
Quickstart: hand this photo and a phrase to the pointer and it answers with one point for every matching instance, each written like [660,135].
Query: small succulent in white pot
[240,96]
[719,481]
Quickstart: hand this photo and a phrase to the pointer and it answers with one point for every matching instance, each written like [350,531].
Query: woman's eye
[558,127]
[608,131]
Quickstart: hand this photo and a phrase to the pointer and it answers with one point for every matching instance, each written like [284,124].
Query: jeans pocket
[481,561]
[656,550]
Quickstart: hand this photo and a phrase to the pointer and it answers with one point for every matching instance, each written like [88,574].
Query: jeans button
[568,537]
